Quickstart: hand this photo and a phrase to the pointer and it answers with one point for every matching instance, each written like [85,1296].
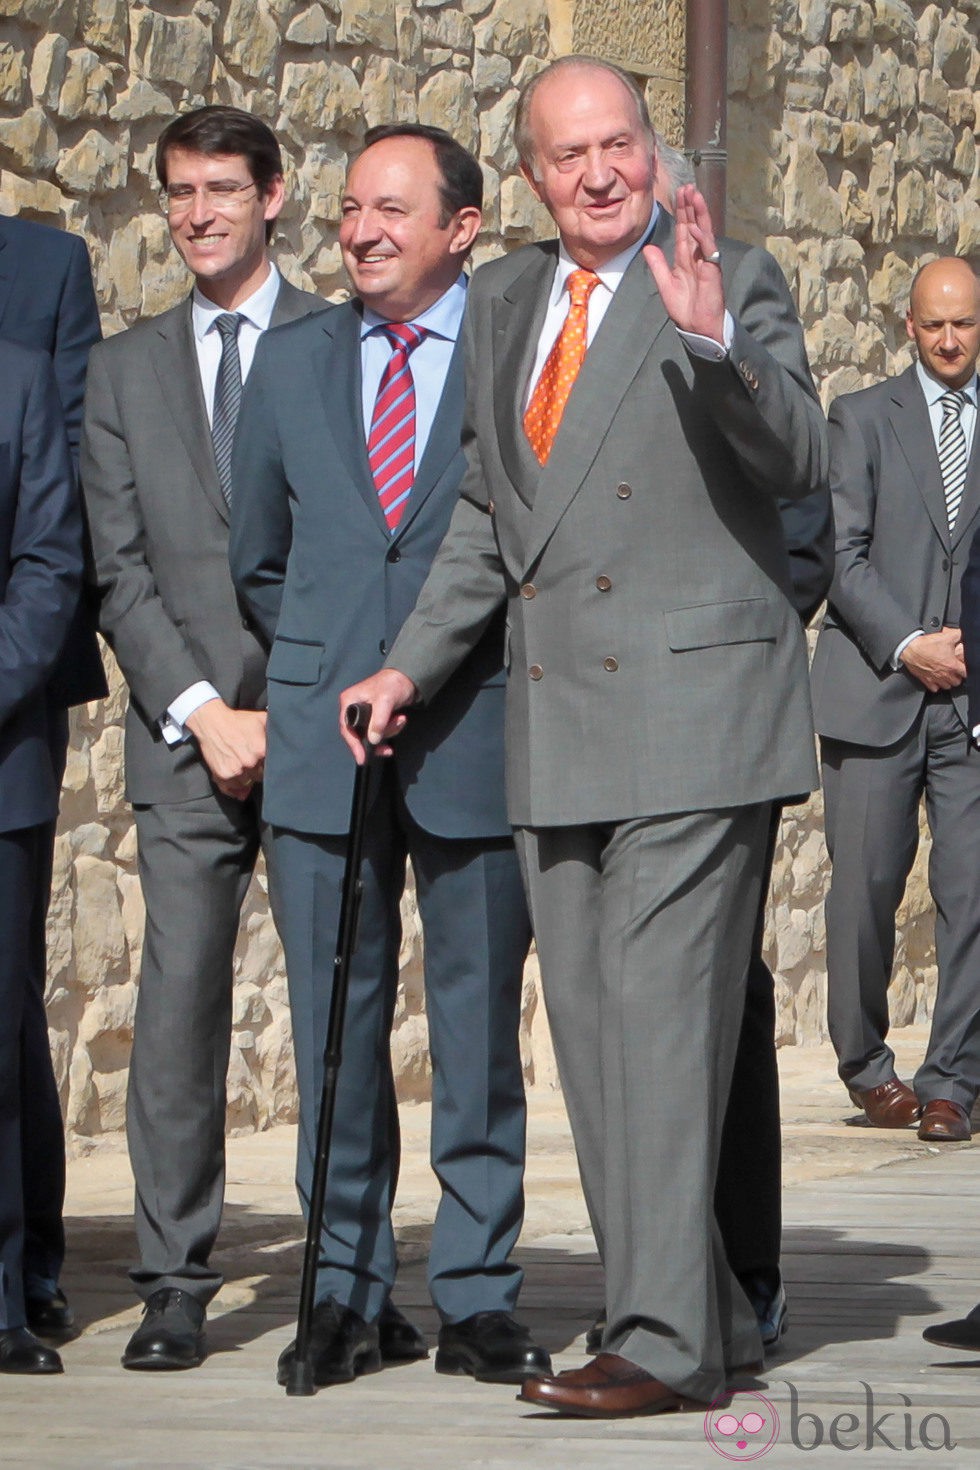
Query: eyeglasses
[223,195]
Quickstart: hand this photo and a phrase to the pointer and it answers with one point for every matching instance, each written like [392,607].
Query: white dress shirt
[256,313]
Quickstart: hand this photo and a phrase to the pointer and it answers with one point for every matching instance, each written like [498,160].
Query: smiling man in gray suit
[346,473]
[160,412]
[657,692]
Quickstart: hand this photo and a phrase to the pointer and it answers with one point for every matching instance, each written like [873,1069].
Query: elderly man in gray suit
[346,472]
[160,412]
[621,500]
[891,707]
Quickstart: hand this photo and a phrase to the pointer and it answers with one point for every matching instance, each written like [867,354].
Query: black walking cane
[299,1381]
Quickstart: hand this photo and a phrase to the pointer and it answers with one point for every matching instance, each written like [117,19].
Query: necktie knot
[228,324]
[581,284]
[952,402]
[403,335]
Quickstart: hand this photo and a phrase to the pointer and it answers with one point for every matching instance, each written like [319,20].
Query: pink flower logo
[741,1426]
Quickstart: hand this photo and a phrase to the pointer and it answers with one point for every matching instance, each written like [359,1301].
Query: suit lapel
[338,374]
[518,316]
[970,504]
[909,418]
[174,358]
[633,321]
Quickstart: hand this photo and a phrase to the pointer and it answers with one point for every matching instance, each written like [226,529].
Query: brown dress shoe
[892,1105]
[609,1387]
[944,1121]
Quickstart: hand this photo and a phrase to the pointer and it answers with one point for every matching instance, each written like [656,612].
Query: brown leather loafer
[609,1387]
[944,1121]
[892,1105]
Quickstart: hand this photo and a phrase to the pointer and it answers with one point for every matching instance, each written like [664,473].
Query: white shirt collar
[934,390]
[441,319]
[257,308]
[611,273]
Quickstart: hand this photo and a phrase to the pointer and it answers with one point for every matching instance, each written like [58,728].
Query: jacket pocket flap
[295,663]
[749,621]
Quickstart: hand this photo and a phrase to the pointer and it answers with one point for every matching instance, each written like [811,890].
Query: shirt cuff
[172,726]
[707,346]
[897,655]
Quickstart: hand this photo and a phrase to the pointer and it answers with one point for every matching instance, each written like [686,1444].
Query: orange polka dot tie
[543,413]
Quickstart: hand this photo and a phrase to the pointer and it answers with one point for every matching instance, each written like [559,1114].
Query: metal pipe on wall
[706,101]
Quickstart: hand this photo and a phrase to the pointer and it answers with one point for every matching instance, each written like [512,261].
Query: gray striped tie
[952,453]
[227,398]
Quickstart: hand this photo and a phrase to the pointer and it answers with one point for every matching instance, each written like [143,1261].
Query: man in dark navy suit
[346,472]
[40,578]
[47,302]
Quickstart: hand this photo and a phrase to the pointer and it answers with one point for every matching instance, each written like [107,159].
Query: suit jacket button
[934,623]
[535,671]
[610,665]
[394,554]
[528,591]
[383,647]
[603,583]
[624,491]
[945,564]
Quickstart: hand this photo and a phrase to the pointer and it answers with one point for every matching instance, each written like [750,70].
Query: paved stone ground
[881,1238]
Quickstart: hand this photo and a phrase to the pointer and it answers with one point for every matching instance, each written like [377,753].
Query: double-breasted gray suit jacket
[159,526]
[329,586]
[655,661]
[897,567]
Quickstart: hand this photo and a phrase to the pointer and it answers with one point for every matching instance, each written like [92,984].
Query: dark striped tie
[952,453]
[227,398]
[391,441]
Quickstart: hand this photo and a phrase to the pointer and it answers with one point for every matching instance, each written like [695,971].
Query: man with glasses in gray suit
[160,413]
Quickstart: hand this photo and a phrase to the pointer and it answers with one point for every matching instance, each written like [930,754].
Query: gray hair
[674,169]
[523,138]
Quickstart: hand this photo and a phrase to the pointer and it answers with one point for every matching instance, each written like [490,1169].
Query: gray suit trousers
[477,934]
[644,931]
[195,862]
[871,801]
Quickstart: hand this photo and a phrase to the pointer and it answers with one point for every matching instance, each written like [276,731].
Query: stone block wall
[853,142]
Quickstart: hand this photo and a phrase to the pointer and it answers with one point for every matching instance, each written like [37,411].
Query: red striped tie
[391,442]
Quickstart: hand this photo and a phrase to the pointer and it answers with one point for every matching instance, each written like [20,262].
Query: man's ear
[467,223]
[531,181]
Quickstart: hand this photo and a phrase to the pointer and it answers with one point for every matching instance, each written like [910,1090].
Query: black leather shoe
[492,1348]
[769,1304]
[342,1346]
[50,1316]
[964,1333]
[20,1352]
[594,1336]
[400,1341]
[171,1334]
